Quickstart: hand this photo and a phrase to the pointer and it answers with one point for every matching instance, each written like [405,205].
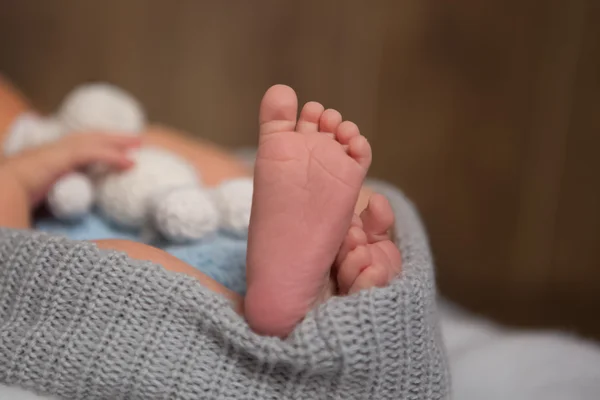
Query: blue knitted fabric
[220,256]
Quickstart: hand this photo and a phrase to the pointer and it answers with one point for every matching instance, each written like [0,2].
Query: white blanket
[492,363]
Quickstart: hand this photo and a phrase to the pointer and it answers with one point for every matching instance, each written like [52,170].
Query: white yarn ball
[186,214]
[233,200]
[102,107]
[30,130]
[126,197]
[71,197]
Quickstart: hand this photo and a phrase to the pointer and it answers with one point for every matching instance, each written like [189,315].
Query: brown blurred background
[487,114]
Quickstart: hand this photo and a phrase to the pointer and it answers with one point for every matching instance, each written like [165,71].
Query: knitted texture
[102,107]
[72,196]
[89,108]
[186,213]
[221,255]
[127,197]
[233,199]
[82,323]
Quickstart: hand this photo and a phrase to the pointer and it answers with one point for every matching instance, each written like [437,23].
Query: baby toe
[373,276]
[278,110]
[354,238]
[346,131]
[310,117]
[356,261]
[377,218]
[330,121]
[360,150]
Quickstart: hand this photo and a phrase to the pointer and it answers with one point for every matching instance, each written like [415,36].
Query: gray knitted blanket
[82,323]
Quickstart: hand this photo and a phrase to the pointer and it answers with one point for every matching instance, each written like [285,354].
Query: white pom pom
[186,214]
[71,197]
[126,197]
[233,200]
[102,107]
[29,131]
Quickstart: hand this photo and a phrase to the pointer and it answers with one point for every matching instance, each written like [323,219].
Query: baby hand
[38,169]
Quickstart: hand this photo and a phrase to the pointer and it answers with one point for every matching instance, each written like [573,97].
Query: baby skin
[305,242]
[314,233]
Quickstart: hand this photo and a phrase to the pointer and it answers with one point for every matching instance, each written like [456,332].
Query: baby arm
[25,179]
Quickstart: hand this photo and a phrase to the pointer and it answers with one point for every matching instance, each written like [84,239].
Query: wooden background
[486,113]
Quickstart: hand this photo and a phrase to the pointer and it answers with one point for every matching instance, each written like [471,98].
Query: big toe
[377,218]
[278,110]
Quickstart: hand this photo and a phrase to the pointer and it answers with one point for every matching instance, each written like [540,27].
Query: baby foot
[307,179]
[368,257]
